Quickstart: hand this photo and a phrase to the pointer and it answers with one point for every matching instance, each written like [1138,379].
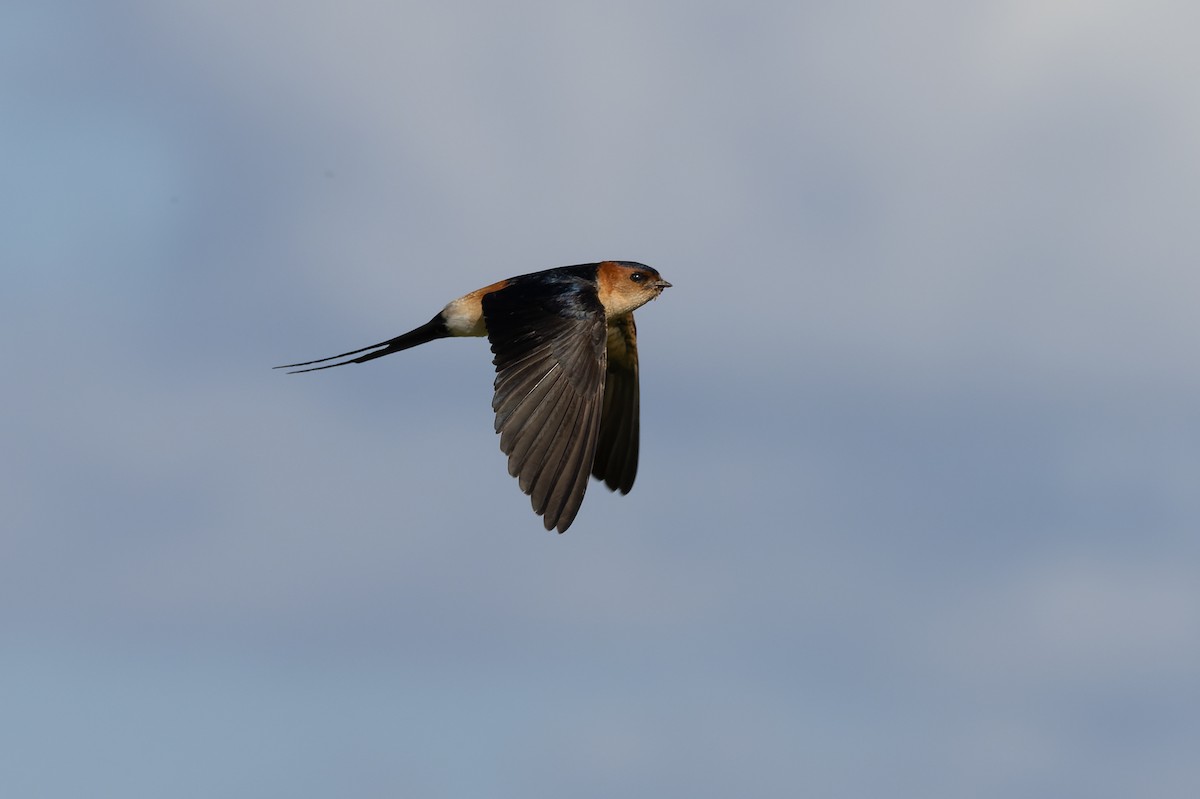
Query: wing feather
[617,448]
[549,341]
[565,501]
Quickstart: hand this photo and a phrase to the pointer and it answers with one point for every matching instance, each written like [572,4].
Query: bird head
[625,286]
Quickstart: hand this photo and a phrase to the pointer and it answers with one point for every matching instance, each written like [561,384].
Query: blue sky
[917,509]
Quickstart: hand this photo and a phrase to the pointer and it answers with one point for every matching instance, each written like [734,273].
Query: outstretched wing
[617,448]
[549,341]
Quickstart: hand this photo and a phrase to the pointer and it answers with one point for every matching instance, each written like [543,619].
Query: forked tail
[433,329]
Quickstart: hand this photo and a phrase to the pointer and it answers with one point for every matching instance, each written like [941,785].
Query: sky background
[917,511]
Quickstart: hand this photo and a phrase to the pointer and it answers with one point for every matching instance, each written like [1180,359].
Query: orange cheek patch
[608,280]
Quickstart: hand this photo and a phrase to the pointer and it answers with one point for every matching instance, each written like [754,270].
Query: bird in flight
[566,389]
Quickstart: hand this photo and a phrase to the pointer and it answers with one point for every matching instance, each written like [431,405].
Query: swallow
[566,390]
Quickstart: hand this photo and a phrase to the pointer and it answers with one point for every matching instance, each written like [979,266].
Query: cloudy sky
[917,511]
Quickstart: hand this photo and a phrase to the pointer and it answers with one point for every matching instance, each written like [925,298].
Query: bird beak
[662,284]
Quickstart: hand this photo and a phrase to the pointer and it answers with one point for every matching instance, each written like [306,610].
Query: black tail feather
[433,329]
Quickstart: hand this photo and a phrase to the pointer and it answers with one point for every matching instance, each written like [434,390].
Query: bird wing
[550,349]
[617,447]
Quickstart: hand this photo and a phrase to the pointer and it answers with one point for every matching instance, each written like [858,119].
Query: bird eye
[637,277]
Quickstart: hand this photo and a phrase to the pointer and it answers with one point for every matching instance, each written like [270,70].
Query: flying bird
[566,389]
